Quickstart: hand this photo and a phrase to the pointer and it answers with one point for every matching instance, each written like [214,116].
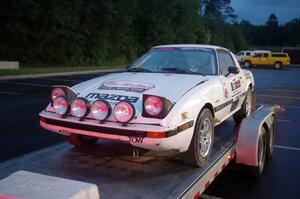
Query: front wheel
[247,108]
[81,140]
[202,142]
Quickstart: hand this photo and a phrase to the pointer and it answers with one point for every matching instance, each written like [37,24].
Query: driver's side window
[225,61]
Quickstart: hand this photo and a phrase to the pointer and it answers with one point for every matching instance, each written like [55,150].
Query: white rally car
[169,99]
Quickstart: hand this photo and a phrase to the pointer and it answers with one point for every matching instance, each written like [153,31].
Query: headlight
[61,105]
[79,107]
[153,105]
[124,112]
[56,92]
[100,110]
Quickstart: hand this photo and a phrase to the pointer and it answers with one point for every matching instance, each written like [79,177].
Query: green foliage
[89,32]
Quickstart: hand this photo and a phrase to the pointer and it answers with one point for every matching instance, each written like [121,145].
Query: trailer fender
[246,149]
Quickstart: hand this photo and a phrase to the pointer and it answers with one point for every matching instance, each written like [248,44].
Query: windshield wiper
[183,70]
[139,70]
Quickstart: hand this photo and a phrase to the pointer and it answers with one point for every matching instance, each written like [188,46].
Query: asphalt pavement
[23,99]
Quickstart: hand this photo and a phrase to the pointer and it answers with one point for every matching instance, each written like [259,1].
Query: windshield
[177,60]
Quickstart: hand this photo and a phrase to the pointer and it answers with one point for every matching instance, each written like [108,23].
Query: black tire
[247,64]
[81,140]
[257,171]
[242,113]
[271,139]
[278,65]
[194,156]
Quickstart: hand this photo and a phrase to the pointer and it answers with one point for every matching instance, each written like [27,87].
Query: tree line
[91,32]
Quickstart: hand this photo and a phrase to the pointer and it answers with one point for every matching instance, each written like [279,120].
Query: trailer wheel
[247,108]
[81,140]
[257,171]
[202,142]
[271,139]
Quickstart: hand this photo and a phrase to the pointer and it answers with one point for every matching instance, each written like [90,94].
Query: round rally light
[61,105]
[57,92]
[79,107]
[124,112]
[153,105]
[100,110]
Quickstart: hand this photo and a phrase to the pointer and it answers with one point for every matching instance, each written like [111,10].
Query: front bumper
[152,137]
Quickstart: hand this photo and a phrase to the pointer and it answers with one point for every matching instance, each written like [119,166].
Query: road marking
[282,90]
[279,96]
[25,84]
[9,93]
[287,147]
[281,120]
[204,196]
[283,106]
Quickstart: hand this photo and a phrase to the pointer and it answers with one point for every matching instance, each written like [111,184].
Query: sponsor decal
[248,76]
[226,93]
[126,86]
[235,84]
[184,115]
[112,97]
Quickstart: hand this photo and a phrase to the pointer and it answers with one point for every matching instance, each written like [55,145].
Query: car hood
[170,86]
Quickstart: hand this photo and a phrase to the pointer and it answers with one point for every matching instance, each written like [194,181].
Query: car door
[232,83]
[265,59]
[257,59]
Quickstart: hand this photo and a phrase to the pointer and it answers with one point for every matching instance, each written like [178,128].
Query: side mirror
[233,70]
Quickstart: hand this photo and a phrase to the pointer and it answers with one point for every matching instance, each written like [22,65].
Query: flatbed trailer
[119,175]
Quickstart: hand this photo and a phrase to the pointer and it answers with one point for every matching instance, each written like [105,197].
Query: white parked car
[240,55]
[169,99]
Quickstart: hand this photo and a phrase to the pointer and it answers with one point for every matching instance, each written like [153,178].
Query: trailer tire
[257,171]
[202,142]
[245,110]
[271,139]
[81,140]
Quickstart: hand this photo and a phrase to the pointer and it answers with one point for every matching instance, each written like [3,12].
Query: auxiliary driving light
[61,105]
[124,112]
[153,105]
[79,107]
[100,109]
[56,92]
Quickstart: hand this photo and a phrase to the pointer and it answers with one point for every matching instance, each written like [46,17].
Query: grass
[24,70]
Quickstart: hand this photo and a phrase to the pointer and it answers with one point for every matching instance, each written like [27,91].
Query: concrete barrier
[9,65]
[28,185]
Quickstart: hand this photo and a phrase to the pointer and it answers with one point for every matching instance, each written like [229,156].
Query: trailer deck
[118,174]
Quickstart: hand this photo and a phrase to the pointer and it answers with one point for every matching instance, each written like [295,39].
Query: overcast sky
[258,11]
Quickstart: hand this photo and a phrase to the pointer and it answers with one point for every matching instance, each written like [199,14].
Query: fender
[248,134]
[187,109]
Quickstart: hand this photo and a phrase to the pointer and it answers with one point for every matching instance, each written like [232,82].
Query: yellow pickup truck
[274,59]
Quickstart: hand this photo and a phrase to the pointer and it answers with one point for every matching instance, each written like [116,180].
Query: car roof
[191,46]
